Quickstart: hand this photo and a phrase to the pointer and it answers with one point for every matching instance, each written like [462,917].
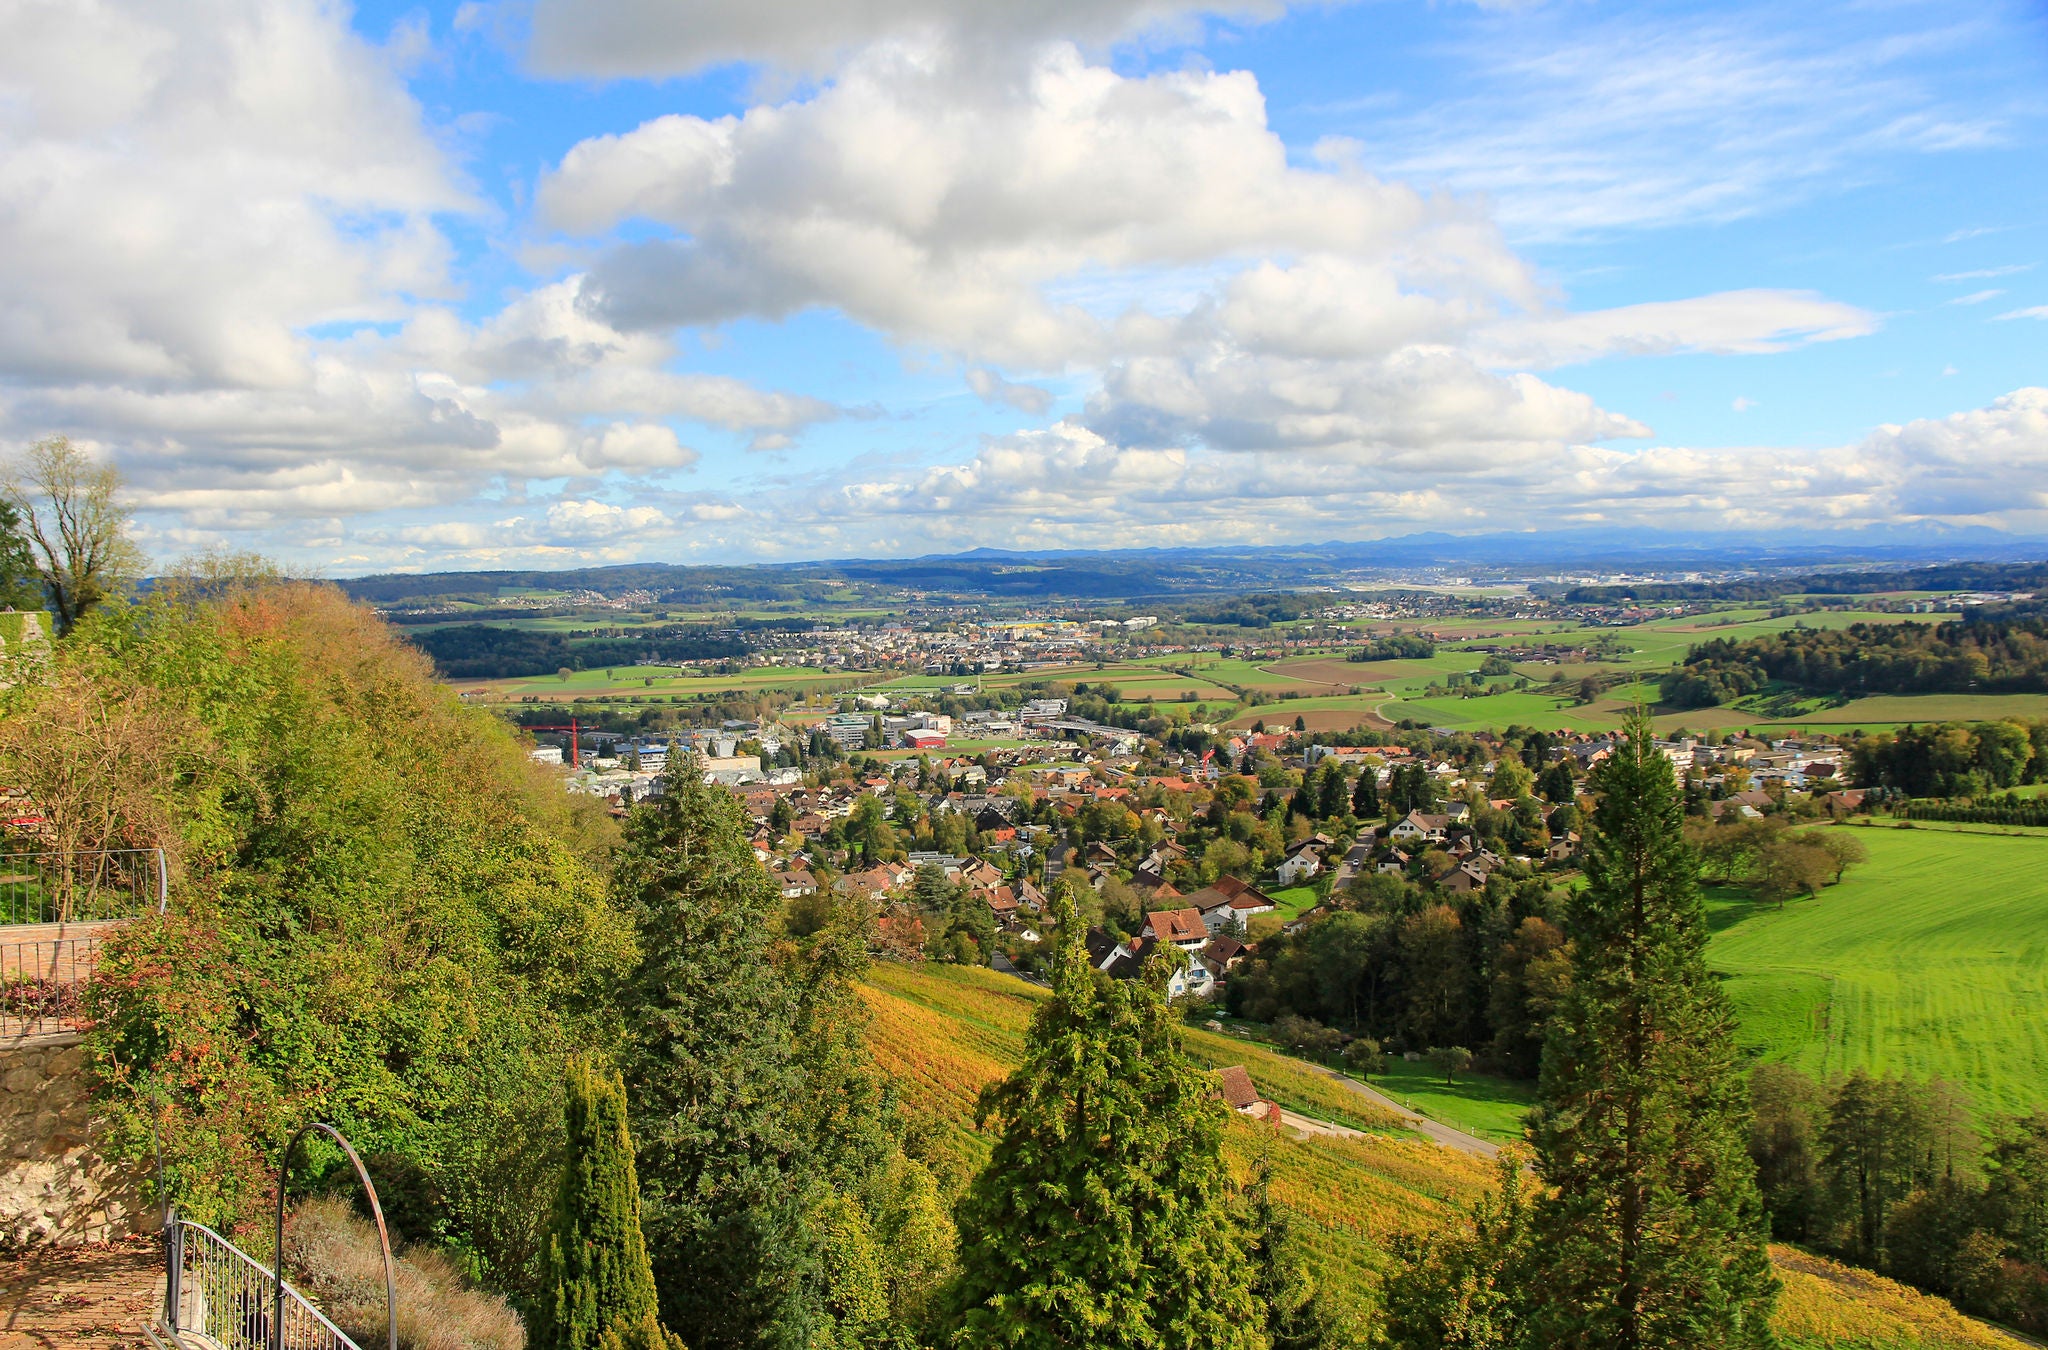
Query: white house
[1299,868]
[1419,827]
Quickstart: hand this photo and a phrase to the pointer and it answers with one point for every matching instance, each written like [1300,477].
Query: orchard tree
[1844,849]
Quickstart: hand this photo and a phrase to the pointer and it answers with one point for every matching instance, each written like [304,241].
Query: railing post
[376,1212]
[174,1271]
[163,883]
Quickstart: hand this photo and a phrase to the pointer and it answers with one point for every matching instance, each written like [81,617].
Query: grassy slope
[1930,959]
[1477,1103]
[943,1031]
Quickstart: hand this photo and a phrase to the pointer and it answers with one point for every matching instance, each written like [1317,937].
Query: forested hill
[475,651]
[1989,656]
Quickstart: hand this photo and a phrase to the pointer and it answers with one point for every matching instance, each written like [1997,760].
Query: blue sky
[404,287]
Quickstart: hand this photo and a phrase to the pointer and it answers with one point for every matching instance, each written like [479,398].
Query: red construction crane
[573,729]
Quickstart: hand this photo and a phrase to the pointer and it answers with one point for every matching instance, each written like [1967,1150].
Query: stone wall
[54,1188]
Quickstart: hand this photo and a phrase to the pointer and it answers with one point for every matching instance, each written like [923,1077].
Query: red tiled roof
[1236,1087]
[1177,925]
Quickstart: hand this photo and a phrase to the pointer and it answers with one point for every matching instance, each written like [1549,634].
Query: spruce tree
[1104,1217]
[598,1284]
[1650,1233]
[710,1061]
[1365,798]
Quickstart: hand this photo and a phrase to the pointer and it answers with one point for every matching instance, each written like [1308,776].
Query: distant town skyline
[575,282]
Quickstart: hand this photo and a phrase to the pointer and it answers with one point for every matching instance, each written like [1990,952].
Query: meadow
[1476,1103]
[944,1031]
[1930,959]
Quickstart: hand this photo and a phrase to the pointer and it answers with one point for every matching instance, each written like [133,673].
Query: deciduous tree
[70,511]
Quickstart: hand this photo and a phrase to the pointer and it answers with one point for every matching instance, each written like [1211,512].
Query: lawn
[1930,959]
[1477,1103]
[1294,900]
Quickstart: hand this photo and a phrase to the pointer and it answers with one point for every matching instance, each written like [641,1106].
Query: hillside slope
[944,1031]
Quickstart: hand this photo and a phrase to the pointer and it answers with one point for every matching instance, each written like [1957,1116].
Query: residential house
[1229,903]
[1184,928]
[1302,865]
[1418,827]
[1463,880]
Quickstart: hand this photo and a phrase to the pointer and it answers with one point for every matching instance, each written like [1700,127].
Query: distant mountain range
[1134,574]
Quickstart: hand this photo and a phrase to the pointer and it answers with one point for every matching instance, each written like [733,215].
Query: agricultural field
[944,1031]
[1135,681]
[1930,959]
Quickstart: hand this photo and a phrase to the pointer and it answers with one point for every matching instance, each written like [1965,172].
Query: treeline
[475,651]
[2008,656]
[1951,759]
[2005,811]
[1393,647]
[1414,971]
[675,583]
[1895,1174]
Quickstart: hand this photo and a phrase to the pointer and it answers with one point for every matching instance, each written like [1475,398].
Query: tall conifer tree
[710,1060]
[1365,797]
[598,1282]
[1104,1217]
[1650,1235]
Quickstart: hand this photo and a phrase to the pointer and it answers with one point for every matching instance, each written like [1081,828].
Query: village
[1202,850]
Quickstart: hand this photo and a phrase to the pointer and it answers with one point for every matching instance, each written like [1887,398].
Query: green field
[1477,1103]
[648,680]
[1328,693]
[1930,959]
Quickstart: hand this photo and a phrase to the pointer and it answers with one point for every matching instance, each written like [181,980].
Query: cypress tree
[1104,1217]
[710,1060]
[599,1286]
[1365,798]
[1650,1235]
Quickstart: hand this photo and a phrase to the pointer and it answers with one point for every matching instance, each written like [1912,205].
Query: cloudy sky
[512,282]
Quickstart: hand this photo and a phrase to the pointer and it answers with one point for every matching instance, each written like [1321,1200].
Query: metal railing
[216,1292]
[83,887]
[42,981]
[221,1298]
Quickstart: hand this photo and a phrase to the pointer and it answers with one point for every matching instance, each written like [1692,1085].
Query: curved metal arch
[376,1212]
